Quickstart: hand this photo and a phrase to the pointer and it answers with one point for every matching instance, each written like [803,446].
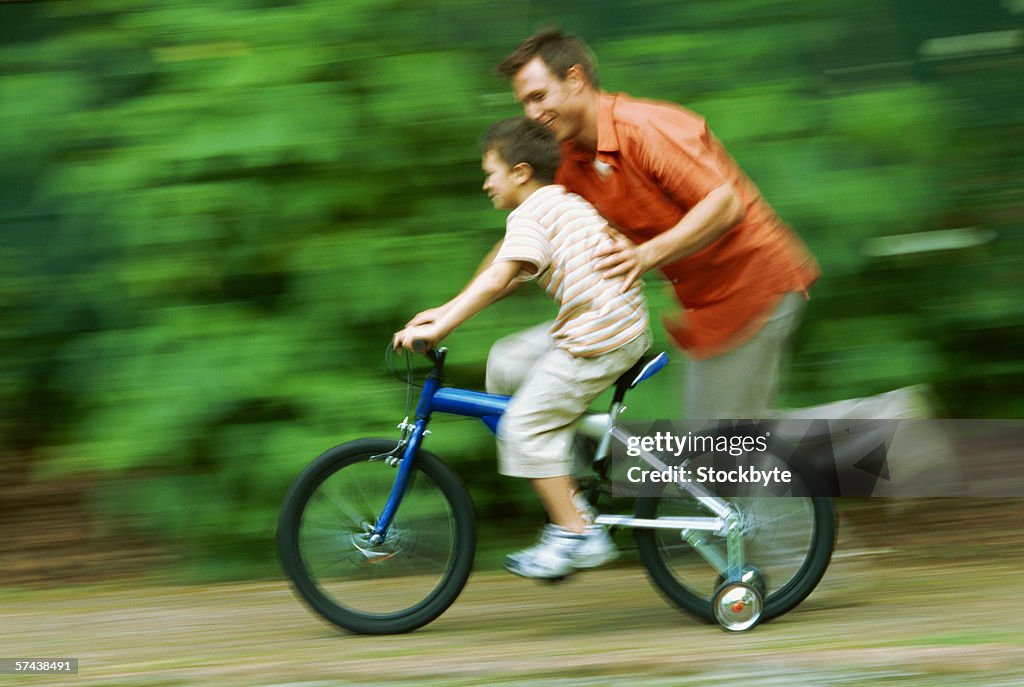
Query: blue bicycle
[378,536]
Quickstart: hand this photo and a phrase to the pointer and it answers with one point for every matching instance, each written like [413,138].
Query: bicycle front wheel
[395,586]
[788,541]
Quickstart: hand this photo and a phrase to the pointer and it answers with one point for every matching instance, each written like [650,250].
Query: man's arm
[705,223]
[486,287]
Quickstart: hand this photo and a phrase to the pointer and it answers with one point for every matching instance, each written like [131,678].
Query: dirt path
[938,608]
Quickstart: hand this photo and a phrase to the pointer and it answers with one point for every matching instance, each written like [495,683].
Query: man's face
[500,182]
[549,100]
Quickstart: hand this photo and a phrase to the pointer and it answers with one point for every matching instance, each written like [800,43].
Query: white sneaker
[560,552]
[597,548]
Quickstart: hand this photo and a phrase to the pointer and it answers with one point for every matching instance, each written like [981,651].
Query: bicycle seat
[644,368]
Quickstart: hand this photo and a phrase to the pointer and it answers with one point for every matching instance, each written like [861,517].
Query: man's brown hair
[558,50]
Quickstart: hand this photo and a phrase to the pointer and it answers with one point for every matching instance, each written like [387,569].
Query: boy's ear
[522,172]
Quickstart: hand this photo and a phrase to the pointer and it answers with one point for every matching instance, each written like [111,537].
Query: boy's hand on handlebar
[426,317]
[417,338]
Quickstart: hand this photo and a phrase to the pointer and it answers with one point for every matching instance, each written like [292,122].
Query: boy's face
[502,183]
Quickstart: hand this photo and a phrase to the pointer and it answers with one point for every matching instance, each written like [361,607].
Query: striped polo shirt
[558,232]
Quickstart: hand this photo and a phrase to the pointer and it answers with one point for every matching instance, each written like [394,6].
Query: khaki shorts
[551,391]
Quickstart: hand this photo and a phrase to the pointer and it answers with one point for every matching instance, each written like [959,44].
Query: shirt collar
[538,197]
[607,139]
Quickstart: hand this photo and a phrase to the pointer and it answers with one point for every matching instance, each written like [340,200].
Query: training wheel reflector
[737,606]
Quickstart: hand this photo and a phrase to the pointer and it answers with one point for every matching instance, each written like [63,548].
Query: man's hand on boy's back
[620,257]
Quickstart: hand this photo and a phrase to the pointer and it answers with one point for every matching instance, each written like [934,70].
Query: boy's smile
[502,184]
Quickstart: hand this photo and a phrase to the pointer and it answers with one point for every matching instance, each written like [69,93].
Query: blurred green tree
[214,215]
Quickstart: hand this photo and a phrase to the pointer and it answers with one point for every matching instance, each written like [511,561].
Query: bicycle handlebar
[434,355]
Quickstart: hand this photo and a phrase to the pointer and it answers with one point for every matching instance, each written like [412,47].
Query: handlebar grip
[419,346]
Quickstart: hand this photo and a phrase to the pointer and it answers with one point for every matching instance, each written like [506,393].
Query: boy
[601,330]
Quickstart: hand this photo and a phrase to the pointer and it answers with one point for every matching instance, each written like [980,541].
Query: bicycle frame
[601,427]
[487,407]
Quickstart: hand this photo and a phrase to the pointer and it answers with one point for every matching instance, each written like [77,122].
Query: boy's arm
[486,287]
[489,258]
[433,314]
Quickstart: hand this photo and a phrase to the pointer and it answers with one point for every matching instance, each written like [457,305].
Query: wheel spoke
[403,581]
[788,540]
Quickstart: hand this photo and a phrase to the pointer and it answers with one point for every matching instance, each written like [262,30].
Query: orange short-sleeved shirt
[655,161]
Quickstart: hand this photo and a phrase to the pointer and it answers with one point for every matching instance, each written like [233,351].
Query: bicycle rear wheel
[401,584]
[787,540]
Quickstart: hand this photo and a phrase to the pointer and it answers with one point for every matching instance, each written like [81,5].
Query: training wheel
[752,576]
[737,606]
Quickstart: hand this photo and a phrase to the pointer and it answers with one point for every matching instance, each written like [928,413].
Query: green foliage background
[214,214]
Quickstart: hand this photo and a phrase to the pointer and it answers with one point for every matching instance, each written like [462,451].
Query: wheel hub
[375,548]
[737,606]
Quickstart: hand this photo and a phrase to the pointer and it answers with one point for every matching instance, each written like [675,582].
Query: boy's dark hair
[558,50]
[523,140]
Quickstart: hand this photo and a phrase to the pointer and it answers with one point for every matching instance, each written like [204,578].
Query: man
[656,173]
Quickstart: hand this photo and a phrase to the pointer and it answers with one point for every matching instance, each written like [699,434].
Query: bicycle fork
[412,436]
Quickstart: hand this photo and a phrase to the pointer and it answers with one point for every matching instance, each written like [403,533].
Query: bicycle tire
[398,586]
[688,581]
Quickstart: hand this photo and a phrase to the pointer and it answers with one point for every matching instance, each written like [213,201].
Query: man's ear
[576,78]
[522,172]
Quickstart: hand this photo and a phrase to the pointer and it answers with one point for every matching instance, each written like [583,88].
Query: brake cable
[393,455]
